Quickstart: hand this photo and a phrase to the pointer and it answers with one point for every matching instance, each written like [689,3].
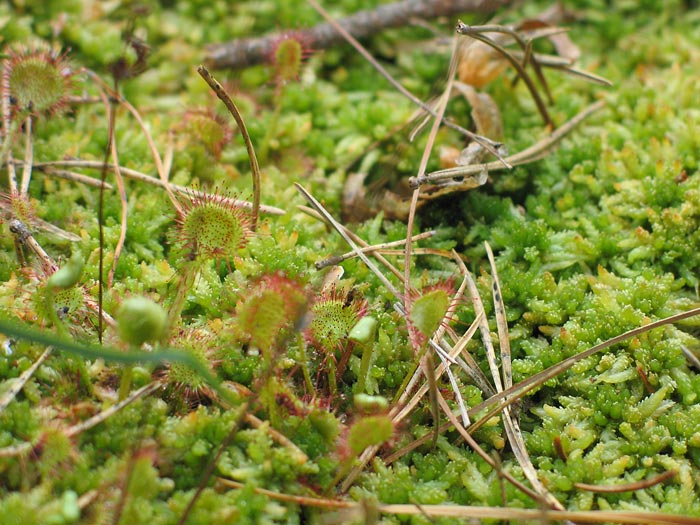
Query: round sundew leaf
[368,431]
[428,311]
[69,274]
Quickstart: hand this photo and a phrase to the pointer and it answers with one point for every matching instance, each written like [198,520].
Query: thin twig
[109,412]
[137,175]
[231,106]
[336,259]
[534,152]
[22,379]
[307,501]
[72,431]
[627,487]
[76,177]
[317,206]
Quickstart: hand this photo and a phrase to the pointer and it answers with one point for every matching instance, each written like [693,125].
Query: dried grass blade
[487,143]
[534,152]
[511,426]
[316,215]
[486,457]
[485,332]
[455,351]
[318,207]
[518,391]
[332,261]
[369,453]
[501,322]
[28,157]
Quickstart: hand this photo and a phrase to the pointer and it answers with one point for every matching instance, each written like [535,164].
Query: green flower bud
[141,320]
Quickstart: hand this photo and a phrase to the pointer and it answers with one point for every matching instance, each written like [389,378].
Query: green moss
[597,238]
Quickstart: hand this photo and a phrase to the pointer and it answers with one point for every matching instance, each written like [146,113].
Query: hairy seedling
[37,80]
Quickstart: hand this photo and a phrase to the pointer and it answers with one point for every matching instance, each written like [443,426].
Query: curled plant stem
[254,167]
[475,32]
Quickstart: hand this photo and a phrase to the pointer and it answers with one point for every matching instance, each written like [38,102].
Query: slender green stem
[364,367]
[126,379]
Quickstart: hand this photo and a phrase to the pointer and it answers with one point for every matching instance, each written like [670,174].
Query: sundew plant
[254,270]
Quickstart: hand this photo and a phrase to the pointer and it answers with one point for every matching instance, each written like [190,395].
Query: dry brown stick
[250,51]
